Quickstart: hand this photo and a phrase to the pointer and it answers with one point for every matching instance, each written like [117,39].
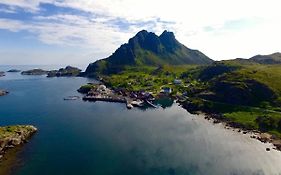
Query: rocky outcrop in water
[11,136]
[2,92]
[2,74]
[14,70]
[68,71]
[35,72]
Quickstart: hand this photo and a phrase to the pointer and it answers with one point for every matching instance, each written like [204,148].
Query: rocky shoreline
[255,134]
[12,136]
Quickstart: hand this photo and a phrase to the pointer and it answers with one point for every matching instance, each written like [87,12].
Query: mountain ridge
[274,58]
[148,49]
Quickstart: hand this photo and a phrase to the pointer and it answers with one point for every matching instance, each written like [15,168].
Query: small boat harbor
[131,99]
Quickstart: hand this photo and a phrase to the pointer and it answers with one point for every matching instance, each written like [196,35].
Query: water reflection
[77,137]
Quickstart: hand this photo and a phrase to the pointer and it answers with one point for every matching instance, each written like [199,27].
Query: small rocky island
[3,92]
[14,70]
[2,74]
[11,136]
[35,72]
[68,71]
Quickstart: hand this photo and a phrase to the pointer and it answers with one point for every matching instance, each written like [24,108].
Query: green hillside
[247,94]
[148,49]
[274,58]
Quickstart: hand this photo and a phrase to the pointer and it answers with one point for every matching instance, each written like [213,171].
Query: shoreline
[263,137]
[14,136]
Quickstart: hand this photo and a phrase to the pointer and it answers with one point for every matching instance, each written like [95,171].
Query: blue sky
[82,31]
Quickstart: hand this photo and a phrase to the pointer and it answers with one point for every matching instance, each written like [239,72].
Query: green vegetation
[274,58]
[150,79]
[246,94]
[86,88]
[34,72]
[68,71]
[147,49]
[9,131]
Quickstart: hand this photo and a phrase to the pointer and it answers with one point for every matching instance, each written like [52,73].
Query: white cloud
[187,18]
[28,5]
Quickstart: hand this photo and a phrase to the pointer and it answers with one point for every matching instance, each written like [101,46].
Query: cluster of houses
[169,90]
[102,93]
[100,90]
[132,98]
[142,95]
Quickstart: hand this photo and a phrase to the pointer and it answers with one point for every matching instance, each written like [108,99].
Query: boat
[129,106]
[137,103]
[72,98]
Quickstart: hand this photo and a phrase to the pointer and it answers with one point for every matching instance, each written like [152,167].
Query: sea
[99,138]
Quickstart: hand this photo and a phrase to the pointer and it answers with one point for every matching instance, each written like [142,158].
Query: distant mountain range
[270,59]
[148,49]
[274,58]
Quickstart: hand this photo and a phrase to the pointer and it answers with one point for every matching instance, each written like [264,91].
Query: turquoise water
[100,138]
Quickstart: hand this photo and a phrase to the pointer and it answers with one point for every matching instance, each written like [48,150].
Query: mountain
[148,49]
[274,58]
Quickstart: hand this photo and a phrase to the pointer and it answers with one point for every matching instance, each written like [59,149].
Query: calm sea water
[84,138]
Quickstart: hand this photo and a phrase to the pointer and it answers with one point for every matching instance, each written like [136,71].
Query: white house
[177,81]
[166,90]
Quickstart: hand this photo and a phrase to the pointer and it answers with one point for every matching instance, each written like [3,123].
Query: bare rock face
[11,136]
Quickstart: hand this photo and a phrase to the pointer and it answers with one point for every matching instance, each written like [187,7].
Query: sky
[78,32]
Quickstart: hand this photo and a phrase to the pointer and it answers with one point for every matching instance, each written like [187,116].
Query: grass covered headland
[240,91]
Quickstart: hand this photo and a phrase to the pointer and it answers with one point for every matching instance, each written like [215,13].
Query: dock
[103,98]
[150,104]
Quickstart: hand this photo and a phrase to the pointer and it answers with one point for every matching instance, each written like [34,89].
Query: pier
[103,98]
[150,104]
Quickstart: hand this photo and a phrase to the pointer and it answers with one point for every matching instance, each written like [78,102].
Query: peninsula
[243,93]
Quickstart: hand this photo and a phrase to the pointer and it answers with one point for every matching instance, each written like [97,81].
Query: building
[166,90]
[177,81]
